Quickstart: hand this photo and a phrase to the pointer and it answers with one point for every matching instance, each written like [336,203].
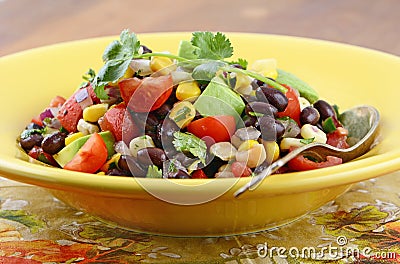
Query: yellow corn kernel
[272,150]
[114,159]
[182,113]
[73,137]
[162,65]
[248,144]
[128,74]
[265,67]
[188,91]
[94,112]
[101,173]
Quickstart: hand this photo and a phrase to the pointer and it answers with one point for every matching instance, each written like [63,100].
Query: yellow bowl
[343,74]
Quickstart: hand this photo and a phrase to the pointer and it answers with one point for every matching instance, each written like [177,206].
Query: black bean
[131,164]
[155,137]
[151,123]
[236,65]
[146,49]
[273,97]
[259,83]
[270,128]
[249,121]
[309,115]
[163,111]
[117,172]
[33,126]
[166,134]
[182,159]
[249,98]
[140,120]
[54,143]
[151,155]
[261,108]
[325,109]
[182,175]
[213,166]
[29,142]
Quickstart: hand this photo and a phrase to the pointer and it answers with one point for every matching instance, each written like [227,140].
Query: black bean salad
[196,114]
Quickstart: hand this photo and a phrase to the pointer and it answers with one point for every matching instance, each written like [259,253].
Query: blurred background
[26,24]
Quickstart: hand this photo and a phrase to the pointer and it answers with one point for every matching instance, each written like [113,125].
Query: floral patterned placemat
[361,226]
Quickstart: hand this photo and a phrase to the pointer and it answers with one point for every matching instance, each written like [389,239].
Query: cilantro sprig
[208,56]
[117,57]
[212,46]
[186,142]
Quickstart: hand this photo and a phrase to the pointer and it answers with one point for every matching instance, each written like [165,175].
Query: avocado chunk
[69,151]
[219,99]
[295,82]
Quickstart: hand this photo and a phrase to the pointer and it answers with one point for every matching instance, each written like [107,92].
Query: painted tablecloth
[361,226]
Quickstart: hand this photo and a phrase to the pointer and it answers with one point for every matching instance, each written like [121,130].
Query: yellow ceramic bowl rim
[348,173]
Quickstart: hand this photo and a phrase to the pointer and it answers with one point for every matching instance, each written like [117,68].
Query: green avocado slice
[219,99]
[69,151]
[293,81]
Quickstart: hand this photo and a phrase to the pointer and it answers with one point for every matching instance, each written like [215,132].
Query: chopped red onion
[83,99]
[47,113]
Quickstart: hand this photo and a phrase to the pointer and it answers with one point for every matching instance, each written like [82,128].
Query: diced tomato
[240,169]
[70,112]
[90,157]
[293,108]
[301,163]
[199,174]
[219,128]
[92,94]
[37,120]
[120,123]
[57,101]
[145,95]
[338,138]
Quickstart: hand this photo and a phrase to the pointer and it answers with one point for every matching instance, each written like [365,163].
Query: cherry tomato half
[90,157]
[301,163]
[71,111]
[338,138]
[240,169]
[219,128]
[119,122]
[293,108]
[199,174]
[145,95]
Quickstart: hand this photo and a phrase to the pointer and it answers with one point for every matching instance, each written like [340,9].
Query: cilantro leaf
[89,75]
[113,51]
[130,42]
[186,142]
[207,71]
[153,172]
[215,47]
[117,57]
[113,70]
[306,141]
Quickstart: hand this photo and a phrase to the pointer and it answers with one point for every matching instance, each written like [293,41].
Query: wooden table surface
[26,24]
